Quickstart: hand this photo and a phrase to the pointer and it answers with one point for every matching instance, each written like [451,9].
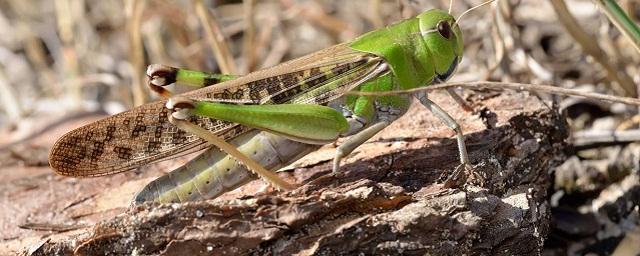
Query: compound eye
[444,29]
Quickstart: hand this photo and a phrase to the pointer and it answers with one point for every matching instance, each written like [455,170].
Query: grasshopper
[267,119]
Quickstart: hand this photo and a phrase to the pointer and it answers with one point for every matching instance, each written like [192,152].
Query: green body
[415,54]
[289,100]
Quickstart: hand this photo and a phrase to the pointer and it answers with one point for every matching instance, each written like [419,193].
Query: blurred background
[68,62]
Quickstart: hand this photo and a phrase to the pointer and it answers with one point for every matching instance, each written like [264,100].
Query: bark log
[388,200]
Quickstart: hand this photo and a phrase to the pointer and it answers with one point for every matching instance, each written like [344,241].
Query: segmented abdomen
[214,172]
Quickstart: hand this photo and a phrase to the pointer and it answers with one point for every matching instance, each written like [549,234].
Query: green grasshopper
[273,116]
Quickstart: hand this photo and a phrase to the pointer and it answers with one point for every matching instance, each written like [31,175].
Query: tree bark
[389,198]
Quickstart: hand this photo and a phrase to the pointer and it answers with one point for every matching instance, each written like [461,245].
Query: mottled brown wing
[128,140]
[143,135]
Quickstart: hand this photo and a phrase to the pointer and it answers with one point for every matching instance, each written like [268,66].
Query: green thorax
[399,51]
[416,50]
[413,49]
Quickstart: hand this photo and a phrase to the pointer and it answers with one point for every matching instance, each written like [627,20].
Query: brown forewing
[143,135]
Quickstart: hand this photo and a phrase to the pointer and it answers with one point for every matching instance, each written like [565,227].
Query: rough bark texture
[388,200]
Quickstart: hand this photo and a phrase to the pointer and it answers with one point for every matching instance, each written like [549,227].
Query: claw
[459,176]
[336,162]
[461,102]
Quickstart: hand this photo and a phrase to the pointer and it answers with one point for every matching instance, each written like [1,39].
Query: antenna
[470,9]
[450,6]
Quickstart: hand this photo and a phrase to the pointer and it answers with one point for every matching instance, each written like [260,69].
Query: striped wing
[143,135]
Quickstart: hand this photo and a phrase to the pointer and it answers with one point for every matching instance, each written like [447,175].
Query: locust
[253,125]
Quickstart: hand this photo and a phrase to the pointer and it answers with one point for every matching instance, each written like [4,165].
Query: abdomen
[213,172]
